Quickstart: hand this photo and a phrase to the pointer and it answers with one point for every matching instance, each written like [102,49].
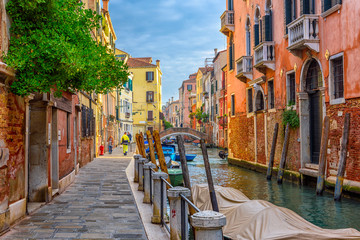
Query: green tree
[167,124]
[51,47]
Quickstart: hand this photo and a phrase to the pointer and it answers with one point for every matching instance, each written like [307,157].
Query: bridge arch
[174,131]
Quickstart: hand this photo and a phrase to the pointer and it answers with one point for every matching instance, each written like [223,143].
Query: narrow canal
[319,210]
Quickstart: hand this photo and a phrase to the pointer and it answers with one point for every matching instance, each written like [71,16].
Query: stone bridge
[182,131]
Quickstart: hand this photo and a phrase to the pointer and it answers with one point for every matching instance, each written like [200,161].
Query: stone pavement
[98,205]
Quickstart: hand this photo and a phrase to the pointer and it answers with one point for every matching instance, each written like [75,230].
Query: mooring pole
[322,159]
[283,155]
[142,144]
[272,154]
[343,156]
[151,148]
[160,153]
[209,177]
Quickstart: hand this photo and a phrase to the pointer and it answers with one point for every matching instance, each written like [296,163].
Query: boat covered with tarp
[259,219]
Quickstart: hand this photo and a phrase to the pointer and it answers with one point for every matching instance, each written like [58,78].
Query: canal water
[322,211]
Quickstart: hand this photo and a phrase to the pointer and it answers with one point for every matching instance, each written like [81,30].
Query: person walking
[125,142]
[110,144]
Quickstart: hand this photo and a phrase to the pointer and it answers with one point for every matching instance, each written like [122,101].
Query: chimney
[172,99]
[158,63]
[106,5]
[216,51]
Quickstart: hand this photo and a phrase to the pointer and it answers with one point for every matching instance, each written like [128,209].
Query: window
[271,96]
[336,79]
[290,88]
[232,105]
[216,85]
[259,102]
[307,7]
[87,122]
[267,22]
[149,96]
[231,54]
[68,132]
[290,12]
[327,4]
[216,109]
[249,100]
[150,116]
[248,37]
[189,87]
[257,27]
[149,76]
[230,5]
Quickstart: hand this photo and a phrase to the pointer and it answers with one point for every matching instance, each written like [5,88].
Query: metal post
[147,181]
[178,213]
[158,207]
[208,225]
[136,167]
[141,174]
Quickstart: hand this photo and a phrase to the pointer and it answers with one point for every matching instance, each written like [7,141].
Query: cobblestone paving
[98,205]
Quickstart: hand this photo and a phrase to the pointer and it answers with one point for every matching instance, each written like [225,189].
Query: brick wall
[336,114]
[12,137]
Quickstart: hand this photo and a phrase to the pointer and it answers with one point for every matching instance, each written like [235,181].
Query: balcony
[304,33]
[227,22]
[150,119]
[127,115]
[244,68]
[265,56]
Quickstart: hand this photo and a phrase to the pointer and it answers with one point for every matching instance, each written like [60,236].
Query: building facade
[292,55]
[146,94]
[187,89]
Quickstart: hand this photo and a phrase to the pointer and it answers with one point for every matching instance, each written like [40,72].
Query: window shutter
[262,30]
[256,35]
[287,13]
[230,56]
[327,5]
[304,7]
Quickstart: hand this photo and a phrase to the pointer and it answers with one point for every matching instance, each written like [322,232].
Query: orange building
[293,54]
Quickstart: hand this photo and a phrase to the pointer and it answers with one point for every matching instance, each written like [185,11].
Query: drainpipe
[27,139]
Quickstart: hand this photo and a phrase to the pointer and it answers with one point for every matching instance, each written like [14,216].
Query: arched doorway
[313,82]
[311,110]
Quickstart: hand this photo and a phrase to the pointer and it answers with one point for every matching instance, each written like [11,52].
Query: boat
[189,157]
[176,176]
[258,219]
[168,150]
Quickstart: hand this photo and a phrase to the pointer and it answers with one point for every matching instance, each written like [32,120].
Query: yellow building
[146,94]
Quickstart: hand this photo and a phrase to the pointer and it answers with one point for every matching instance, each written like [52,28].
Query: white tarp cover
[258,219]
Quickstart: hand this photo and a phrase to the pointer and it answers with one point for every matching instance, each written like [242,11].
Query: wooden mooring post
[141,149]
[283,155]
[209,177]
[151,148]
[343,156]
[272,153]
[160,153]
[322,159]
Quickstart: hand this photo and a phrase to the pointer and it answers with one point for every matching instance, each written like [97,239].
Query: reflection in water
[322,211]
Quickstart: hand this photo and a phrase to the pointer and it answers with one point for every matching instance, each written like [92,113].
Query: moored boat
[176,176]
[189,157]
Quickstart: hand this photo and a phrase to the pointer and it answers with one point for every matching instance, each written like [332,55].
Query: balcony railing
[244,68]
[227,22]
[150,119]
[265,55]
[304,33]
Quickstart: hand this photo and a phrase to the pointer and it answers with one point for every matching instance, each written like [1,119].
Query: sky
[180,33]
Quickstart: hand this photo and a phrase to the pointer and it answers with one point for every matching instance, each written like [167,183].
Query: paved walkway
[98,205]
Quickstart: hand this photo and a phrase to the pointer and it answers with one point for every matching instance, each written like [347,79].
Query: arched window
[259,101]
[313,76]
[267,21]
[248,36]
[257,27]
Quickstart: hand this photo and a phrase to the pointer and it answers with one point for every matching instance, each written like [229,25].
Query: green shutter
[256,35]
[304,7]
[287,13]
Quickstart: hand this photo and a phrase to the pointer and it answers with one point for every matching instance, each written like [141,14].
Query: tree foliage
[51,47]
[167,124]
[290,116]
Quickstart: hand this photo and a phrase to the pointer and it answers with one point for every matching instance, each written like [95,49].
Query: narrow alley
[98,205]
